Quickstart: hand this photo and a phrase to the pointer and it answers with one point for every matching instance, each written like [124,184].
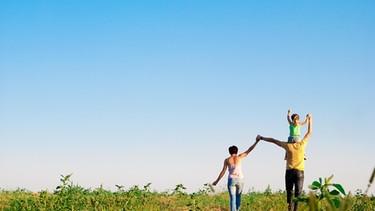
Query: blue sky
[132,92]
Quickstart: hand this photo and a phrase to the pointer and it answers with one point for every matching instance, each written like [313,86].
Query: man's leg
[300,176]
[289,181]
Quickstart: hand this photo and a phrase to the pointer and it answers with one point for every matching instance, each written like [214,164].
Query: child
[294,128]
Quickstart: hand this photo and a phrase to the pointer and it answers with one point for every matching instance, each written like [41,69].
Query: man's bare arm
[271,140]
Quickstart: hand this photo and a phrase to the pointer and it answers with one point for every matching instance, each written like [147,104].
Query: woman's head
[233,150]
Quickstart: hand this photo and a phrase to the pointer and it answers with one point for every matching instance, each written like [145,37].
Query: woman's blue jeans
[235,187]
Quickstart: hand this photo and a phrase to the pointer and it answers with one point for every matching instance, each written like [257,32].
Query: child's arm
[303,123]
[288,117]
[309,128]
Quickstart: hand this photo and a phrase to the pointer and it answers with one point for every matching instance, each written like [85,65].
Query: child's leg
[296,139]
[290,138]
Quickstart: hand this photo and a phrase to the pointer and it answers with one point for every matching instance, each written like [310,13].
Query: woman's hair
[233,150]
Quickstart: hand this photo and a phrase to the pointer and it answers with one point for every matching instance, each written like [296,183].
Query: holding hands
[258,138]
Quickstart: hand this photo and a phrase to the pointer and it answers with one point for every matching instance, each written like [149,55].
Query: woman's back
[234,159]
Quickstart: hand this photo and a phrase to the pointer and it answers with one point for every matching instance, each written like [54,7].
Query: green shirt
[294,130]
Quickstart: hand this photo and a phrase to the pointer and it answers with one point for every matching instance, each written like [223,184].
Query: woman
[235,177]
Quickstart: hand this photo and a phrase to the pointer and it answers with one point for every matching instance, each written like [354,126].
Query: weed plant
[68,196]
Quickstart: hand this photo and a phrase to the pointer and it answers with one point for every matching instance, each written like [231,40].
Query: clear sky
[132,92]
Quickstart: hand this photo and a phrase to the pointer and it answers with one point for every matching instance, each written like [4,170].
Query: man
[295,163]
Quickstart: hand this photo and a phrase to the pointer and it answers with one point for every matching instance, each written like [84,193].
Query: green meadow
[323,194]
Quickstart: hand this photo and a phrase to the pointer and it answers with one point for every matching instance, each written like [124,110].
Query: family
[295,161]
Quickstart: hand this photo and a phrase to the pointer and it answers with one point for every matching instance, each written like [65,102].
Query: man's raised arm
[309,129]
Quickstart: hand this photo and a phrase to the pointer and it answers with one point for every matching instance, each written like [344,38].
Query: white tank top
[235,171]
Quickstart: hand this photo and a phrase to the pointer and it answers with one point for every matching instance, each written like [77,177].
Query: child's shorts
[294,139]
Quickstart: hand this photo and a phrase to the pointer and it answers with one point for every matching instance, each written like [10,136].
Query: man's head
[233,150]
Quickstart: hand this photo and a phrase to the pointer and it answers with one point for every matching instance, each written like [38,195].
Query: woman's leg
[232,194]
[239,193]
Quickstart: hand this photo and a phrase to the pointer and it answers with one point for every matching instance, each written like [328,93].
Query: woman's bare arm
[244,154]
[221,173]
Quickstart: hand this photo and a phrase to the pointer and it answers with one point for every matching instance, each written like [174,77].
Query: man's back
[295,154]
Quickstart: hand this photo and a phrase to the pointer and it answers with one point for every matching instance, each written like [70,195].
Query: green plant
[325,196]
[68,196]
[179,189]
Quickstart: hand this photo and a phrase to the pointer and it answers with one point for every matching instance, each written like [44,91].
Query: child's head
[295,117]
[233,150]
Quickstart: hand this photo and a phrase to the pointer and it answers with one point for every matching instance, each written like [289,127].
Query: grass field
[68,196]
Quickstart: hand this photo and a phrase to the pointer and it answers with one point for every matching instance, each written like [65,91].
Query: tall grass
[69,196]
